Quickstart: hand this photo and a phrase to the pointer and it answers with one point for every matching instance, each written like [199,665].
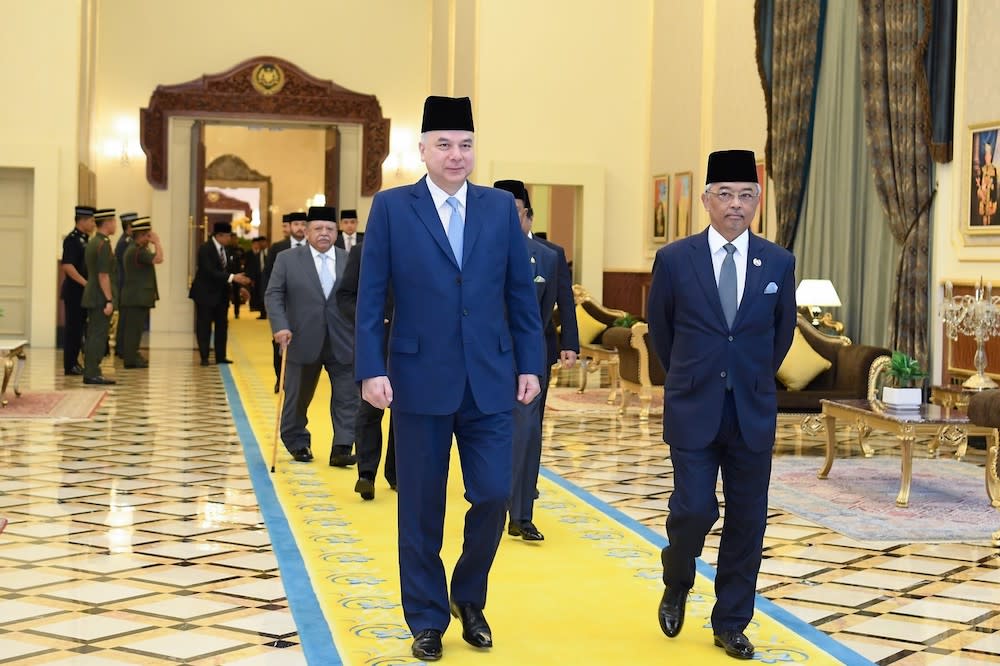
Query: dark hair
[530,212]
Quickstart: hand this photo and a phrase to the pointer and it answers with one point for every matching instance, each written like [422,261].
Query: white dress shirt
[349,241]
[742,243]
[440,198]
[219,250]
[331,254]
[296,243]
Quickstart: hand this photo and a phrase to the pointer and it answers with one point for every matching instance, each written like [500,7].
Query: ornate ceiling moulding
[264,88]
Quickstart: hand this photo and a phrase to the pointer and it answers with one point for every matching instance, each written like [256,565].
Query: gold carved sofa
[593,319]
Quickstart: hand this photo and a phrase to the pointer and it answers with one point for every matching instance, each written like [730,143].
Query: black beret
[85,211]
[348,214]
[324,213]
[222,228]
[447,113]
[515,187]
[731,166]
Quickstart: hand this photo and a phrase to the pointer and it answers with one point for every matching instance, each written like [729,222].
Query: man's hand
[568,358]
[527,388]
[154,238]
[241,278]
[283,337]
[108,309]
[377,391]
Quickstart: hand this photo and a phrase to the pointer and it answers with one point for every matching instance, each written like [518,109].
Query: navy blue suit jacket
[698,350]
[568,336]
[451,326]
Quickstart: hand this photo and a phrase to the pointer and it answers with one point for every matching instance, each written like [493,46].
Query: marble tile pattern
[134,537]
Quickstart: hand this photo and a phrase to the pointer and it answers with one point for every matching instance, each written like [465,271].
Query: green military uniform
[138,296]
[100,258]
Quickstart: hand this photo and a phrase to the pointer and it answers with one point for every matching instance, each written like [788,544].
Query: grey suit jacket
[294,300]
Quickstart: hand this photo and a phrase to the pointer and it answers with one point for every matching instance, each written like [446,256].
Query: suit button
[465,312]
[723,374]
[730,338]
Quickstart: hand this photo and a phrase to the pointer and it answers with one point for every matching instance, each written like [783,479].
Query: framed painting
[680,213]
[982,180]
[759,224]
[661,208]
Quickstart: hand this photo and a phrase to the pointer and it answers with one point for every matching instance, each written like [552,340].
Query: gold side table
[13,356]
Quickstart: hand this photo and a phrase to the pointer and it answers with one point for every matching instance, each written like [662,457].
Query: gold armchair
[641,372]
[593,354]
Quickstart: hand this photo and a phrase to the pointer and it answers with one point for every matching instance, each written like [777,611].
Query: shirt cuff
[230,280]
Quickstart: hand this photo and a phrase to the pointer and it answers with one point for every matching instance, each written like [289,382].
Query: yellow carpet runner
[586,595]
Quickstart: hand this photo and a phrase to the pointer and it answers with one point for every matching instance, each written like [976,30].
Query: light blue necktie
[325,276]
[727,284]
[456,230]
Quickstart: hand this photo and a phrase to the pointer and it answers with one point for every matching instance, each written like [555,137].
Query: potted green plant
[905,373]
[625,321]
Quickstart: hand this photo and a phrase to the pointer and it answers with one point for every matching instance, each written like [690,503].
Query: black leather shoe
[365,488]
[99,379]
[138,364]
[671,611]
[204,361]
[342,460]
[302,455]
[221,361]
[261,316]
[74,371]
[525,530]
[475,631]
[735,643]
[427,645]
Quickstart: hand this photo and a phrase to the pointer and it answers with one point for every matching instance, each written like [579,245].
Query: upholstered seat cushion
[590,329]
[802,364]
[984,409]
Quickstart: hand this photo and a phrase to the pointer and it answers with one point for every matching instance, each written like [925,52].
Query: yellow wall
[40,44]
[567,82]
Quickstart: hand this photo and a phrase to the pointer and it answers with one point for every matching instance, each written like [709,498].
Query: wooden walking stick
[281,403]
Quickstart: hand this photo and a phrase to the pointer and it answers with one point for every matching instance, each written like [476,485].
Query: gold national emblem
[267,78]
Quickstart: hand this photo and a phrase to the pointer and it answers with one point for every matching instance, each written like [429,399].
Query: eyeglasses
[727,197]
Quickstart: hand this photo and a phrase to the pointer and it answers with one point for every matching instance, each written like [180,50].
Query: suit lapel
[309,266]
[423,204]
[701,257]
[473,218]
[751,287]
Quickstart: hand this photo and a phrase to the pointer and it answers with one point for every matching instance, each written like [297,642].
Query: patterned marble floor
[134,537]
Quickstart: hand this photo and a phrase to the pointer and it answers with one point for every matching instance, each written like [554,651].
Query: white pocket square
[539,279]
[771,288]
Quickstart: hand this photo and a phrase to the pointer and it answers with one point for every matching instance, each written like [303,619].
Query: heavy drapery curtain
[789,46]
[843,235]
[894,36]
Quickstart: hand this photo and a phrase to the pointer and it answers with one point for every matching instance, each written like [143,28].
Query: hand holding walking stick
[281,402]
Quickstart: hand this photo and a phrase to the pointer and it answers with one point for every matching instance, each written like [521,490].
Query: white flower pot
[902,397]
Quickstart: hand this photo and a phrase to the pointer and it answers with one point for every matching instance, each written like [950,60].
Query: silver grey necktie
[727,284]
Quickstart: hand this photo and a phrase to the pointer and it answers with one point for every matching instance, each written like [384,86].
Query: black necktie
[222,256]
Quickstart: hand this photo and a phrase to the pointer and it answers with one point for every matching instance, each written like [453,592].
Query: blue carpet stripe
[800,627]
[314,631]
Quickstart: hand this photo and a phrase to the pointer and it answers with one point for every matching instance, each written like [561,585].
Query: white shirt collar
[218,245]
[716,241]
[331,253]
[296,243]
[440,196]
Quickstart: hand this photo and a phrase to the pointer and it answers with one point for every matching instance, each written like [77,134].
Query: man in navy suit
[528,418]
[465,316]
[721,317]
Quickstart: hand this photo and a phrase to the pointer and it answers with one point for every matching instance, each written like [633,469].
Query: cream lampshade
[816,295]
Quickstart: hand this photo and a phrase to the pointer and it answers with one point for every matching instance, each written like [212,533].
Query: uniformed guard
[123,243]
[100,296]
[75,278]
[138,294]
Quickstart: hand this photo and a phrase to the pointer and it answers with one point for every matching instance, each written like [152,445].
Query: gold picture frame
[661,209]
[681,210]
[982,216]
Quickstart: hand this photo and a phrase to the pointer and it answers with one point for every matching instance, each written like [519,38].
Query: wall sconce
[815,295]
[403,156]
[124,145]
[318,199]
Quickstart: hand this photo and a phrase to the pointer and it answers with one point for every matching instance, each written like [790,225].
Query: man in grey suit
[302,308]
[528,418]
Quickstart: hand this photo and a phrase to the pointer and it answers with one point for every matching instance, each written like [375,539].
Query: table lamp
[814,295]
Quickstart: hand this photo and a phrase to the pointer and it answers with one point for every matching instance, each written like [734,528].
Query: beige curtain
[792,64]
[894,36]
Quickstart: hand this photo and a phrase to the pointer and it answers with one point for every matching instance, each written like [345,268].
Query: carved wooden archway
[264,88]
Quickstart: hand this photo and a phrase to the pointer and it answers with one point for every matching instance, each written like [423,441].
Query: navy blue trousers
[694,509]
[423,452]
